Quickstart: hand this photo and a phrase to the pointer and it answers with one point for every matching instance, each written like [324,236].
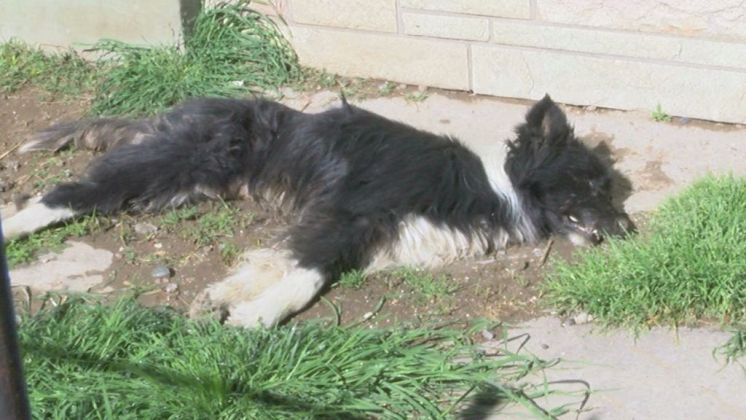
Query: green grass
[124,361]
[221,221]
[735,347]
[429,286]
[25,250]
[62,73]
[232,50]
[689,266]
[352,279]
[214,227]
[660,115]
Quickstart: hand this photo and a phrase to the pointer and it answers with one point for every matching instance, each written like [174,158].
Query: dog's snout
[596,236]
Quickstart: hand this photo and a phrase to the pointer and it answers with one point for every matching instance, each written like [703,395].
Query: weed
[25,250]
[735,347]
[386,88]
[177,216]
[417,96]
[689,266]
[317,79]
[427,285]
[659,115]
[352,279]
[126,361]
[229,252]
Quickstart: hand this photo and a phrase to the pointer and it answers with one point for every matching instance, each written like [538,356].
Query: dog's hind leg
[165,171]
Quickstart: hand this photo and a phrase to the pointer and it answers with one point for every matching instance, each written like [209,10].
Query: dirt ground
[502,286]
[658,159]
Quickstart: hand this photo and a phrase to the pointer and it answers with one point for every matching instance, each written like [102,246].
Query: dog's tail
[95,134]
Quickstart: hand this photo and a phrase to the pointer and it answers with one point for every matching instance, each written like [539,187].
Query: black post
[13,399]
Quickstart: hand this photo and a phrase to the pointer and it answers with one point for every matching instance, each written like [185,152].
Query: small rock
[402,86]
[582,318]
[487,335]
[544,346]
[145,229]
[12,164]
[6,185]
[289,93]
[367,316]
[590,108]
[160,272]
[171,288]
[157,245]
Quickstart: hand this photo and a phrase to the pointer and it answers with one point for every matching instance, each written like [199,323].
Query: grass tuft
[63,73]
[689,267]
[659,115]
[231,50]
[352,279]
[429,287]
[735,347]
[25,250]
[128,362]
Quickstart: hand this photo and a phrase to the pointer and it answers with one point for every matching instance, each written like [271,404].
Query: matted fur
[368,193]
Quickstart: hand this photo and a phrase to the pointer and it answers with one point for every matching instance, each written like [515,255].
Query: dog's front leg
[265,289]
[291,294]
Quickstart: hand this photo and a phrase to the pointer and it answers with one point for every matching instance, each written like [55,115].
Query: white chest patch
[424,244]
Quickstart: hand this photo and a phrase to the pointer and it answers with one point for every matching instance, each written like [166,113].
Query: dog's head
[566,187]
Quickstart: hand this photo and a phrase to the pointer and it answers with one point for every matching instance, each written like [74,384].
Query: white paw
[35,216]
[260,312]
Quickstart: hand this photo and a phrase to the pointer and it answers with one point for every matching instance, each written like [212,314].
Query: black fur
[351,176]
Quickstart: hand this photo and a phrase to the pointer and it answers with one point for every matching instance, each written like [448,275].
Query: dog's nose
[596,237]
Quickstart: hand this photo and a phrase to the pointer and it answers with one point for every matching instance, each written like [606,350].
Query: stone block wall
[688,56]
[61,24]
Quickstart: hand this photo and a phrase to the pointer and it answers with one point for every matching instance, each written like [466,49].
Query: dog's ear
[547,118]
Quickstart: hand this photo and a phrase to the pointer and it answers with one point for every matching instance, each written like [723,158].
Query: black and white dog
[367,193]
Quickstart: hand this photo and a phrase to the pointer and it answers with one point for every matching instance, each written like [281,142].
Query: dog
[366,193]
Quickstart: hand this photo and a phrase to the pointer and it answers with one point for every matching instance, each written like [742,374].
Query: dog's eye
[572,219]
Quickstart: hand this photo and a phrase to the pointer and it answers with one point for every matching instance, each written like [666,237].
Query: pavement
[662,374]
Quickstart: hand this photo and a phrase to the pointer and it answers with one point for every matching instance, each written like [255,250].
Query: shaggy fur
[368,193]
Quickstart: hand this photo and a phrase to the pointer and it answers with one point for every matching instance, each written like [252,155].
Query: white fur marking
[265,289]
[296,289]
[421,243]
[493,156]
[34,217]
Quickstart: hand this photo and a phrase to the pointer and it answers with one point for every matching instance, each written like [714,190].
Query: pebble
[161,271]
[145,229]
[367,316]
[582,318]
[171,287]
[487,335]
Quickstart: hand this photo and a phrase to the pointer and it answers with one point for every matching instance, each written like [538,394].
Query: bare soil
[504,286]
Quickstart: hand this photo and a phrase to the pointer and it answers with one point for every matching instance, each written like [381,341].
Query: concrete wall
[80,23]
[687,55]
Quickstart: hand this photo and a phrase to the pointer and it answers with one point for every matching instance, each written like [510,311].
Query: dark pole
[13,400]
